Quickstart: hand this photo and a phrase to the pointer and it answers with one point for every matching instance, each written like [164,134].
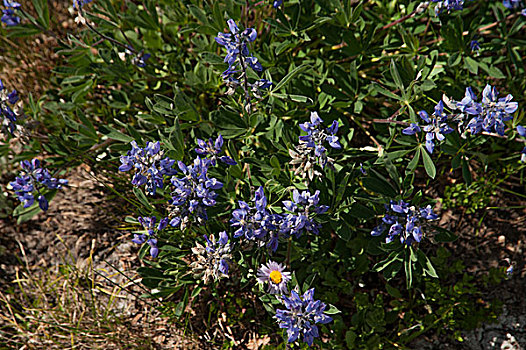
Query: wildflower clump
[404,221]
[8,13]
[448,5]
[148,223]
[301,315]
[9,111]
[298,219]
[258,223]
[311,149]
[211,260]
[149,166]
[436,126]
[192,193]
[211,149]
[31,181]
[488,115]
[239,60]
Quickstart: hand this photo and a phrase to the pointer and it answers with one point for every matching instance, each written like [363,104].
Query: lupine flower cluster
[311,149]
[8,14]
[448,5]
[258,223]
[302,312]
[150,236]
[192,193]
[250,221]
[297,220]
[212,149]
[404,221]
[239,59]
[8,113]
[488,115]
[149,166]
[212,259]
[301,315]
[31,181]
[515,4]
[436,126]
[277,3]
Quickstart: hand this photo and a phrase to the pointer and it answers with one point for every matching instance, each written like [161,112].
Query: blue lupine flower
[34,178]
[239,59]
[448,5]
[488,115]
[250,221]
[78,4]
[311,149]
[301,316]
[192,194]
[277,3]
[140,59]
[437,126]
[258,223]
[212,149]
[316,136]
[212,260]
[512,4]
[298,219]
[412,129]
[8,113]
[474,45]
[150,237]
[9,17]
[149,165]
[397,213]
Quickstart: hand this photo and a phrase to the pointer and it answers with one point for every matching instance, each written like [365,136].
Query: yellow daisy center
[276,277]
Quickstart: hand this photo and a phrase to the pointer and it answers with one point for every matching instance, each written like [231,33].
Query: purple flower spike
[301,315]
[411,231]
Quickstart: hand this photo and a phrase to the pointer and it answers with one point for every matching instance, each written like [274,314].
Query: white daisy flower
[277,278]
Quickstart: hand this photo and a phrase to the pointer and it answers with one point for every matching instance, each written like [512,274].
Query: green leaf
[295,98]
[426,264]
[142,198]
[115,134]
[42,10]
[466,174]
[394,292]
[414,162]
[379,186]
[290,75]
[408,266]
[428,164]
[385,92]
[332,310]
[177,140]
[496,73]
[471,65]
[22,30]
[396,76]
